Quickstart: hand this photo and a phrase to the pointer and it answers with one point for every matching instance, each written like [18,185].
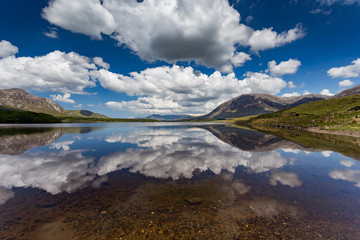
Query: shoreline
[273,128]
[289,128]
[348,133]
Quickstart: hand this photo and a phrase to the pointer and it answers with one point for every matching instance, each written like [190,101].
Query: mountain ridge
[257,104]
[19,99]
[172,117]
[348,92]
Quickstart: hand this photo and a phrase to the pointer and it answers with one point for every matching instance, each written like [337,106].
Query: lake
[172,181]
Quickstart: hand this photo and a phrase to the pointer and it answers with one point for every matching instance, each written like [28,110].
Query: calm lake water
[171,181]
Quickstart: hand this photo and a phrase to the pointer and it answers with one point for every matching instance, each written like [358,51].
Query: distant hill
[85,113]
[168,117]
[257,104]
[19,99]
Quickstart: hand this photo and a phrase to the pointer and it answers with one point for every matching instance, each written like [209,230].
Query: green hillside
[85,114]
[26,117]
[331,114]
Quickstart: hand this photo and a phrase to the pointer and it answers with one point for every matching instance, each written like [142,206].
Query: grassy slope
[67,113]
[13,115]
[26,117]
[78,113]
[330,114]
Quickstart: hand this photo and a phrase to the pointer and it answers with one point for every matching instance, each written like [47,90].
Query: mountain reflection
[18,140]
[160,153]
[250,140]
[164,153]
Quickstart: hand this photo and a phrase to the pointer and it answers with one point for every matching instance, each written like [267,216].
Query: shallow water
[171,181]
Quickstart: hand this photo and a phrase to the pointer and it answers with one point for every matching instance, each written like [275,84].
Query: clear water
[171,181]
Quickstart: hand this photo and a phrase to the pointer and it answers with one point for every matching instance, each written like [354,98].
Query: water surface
[171,181]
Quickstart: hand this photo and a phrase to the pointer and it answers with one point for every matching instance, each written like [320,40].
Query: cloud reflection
[285,178]
[65,145]
[168,154]
[269,207]
[326,153]
[347,163]
[347,175]
[5,194]
[160,153]
[53,172]
[239,187]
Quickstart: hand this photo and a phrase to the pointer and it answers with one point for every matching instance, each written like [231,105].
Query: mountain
[18,99]
[348,92]
[168,117]
[257,104]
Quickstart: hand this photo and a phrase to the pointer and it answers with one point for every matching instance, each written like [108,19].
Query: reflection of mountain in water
[160,153]
[15,141]
[252,141]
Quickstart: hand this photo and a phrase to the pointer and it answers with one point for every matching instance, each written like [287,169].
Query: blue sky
[134,58]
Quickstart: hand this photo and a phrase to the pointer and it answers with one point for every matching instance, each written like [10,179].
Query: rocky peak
[20,99]
[256,104]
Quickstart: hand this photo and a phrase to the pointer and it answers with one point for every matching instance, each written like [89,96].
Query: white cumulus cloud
[263,83]
[346,83]
[291,84]
[183,90]
[52,33]
[207,32]
[285,67]
[238,59]
[326,92]
[87,17]
[7,49]
[100,62]
[267,38]
[56,71]
[293,94]
[352,70]
[65,98]
[162,89]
